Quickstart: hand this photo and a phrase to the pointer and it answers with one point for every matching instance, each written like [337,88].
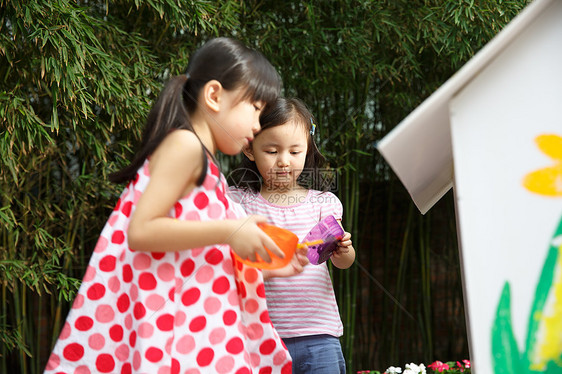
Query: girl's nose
[282,160]
[256,127]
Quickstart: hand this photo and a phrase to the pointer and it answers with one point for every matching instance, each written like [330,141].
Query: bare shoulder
[181,154]
[179,145]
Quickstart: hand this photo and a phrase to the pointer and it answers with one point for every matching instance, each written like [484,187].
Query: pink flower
[461,366]
[464,365]
[439,366]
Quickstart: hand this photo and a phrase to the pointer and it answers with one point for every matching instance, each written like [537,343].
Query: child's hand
[296,266]
[248,239]
[344,246]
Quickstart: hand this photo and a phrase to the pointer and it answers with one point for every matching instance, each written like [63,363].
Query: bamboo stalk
[390,200]
[39,330]
[18,322]
[397,316]
[3,363]
[426,290]
[354,275]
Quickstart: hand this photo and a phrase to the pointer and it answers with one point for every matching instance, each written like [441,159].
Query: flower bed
[450,367]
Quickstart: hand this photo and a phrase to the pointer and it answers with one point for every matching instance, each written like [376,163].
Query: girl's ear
[212,91]
[249,152]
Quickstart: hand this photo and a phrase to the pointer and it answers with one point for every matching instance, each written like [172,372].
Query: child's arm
[344,256]
[174,169]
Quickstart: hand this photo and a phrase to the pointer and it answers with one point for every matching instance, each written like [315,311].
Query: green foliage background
[77,79]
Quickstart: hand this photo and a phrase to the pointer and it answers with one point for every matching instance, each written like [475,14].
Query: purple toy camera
[329,231]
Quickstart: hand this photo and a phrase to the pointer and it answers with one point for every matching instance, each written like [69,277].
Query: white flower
[414,369]
[393,370]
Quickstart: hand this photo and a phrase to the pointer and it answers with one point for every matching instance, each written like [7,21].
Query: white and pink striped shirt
[304,304]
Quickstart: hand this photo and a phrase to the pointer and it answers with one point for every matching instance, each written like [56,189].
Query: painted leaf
[505,353]
[544,338]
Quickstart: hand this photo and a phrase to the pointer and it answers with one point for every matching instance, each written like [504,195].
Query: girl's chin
[231,151]
[281,185]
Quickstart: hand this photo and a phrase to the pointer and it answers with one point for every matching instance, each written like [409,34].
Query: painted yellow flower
[547,181]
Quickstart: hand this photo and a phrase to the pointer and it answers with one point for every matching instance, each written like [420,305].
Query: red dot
[260,290]
[165,322]
[205,356]
[266,370]
[127,273]
[221,285]
[175,366]
[127,369]
[229,317]
[73,352]
[107,263]
[157,255]
[154,354]
[214,169]
[201,200]
[123,303]
[242,290]
[243,371]
[84,323]
[220,196]
[187,267]
[133,339]
[239,265]
[96,291]
[116,333]
[139,310]
[267,346]
[172,294]
[126,210]
[117,205]
[105,363]
[197,324]
[190,296]
[264,317]
[118,237]
[250,275]
[178,208]
[234,346]
[288,368]
[214,256]
[147,281]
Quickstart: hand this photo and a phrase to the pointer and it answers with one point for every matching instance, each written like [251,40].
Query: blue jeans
[316,354]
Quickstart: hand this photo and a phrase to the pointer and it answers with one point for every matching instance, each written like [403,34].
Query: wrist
[227,230]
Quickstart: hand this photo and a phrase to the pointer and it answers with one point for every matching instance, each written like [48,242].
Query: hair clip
[313,129]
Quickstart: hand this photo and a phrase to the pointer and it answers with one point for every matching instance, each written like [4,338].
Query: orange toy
[285,239]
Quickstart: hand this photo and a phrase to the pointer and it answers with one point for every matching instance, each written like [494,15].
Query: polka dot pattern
[189,312]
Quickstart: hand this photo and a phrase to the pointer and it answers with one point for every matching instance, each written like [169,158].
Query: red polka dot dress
[188,312]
